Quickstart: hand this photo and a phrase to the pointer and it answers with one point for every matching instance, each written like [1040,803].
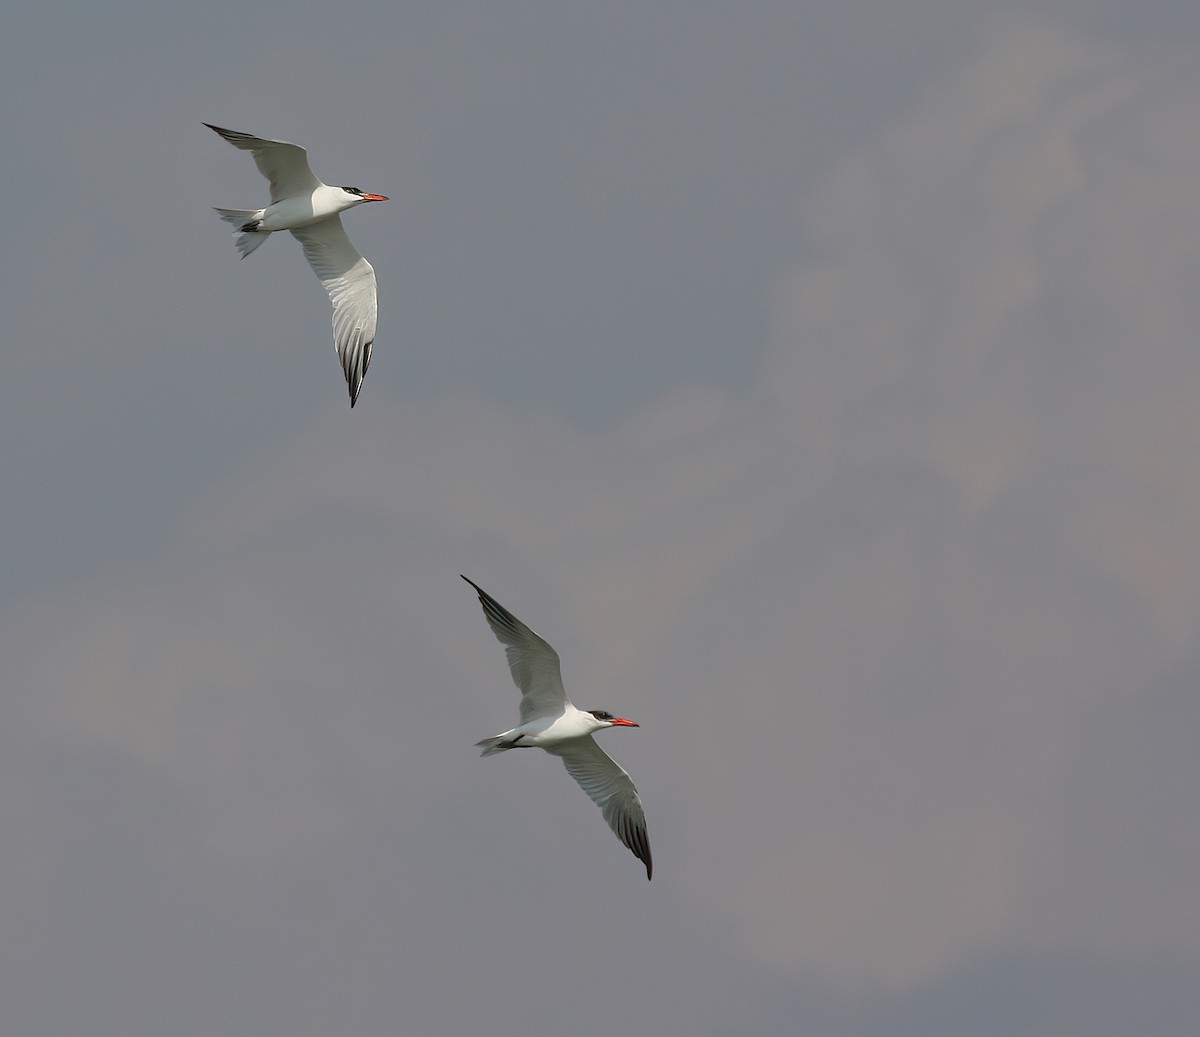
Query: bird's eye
[351,190]
[600,714]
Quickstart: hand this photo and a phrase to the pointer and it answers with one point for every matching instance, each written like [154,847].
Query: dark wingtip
[355,389]
[639,843]
[229,135]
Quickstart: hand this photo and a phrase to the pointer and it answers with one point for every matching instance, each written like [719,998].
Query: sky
[819,379]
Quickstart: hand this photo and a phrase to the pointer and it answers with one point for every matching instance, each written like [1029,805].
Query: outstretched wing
[612,790]
[284,164]
[534,664]
[350,281]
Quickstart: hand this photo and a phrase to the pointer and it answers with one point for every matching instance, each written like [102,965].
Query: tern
[550,721]
[309,209]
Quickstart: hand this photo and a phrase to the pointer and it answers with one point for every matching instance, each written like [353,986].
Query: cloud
[908,622]
[984,384]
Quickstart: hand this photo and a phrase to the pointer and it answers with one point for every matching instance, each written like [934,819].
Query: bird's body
[310,210]
[550,721]
[305,210]
[546,732]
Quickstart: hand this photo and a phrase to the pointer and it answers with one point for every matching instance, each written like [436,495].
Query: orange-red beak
[375,197]
[622,722]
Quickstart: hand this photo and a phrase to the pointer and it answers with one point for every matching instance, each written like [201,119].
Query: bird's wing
[612,790]
[284,164]
[534,664]
[350,281]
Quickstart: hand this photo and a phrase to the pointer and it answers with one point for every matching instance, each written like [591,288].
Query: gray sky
[821,380]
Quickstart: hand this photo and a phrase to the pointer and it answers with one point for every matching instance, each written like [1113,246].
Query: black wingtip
[484,597]
[643,854]
[233,136]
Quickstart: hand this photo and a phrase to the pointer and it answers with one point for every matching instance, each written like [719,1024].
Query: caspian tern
[550,721]
[309,209]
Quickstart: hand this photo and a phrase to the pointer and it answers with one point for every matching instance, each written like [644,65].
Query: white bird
[309,209]
[550,721]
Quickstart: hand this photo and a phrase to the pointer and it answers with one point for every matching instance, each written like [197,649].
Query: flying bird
[309,209]
[550,721]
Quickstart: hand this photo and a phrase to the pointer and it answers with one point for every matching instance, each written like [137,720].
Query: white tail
[496,744]
[247,240]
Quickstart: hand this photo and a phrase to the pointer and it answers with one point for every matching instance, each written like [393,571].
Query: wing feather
[612,790]
[284,165]
[534,664]
[350,281]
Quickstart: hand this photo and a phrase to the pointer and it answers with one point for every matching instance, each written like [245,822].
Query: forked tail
[246,221]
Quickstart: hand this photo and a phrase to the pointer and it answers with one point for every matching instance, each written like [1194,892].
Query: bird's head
[358,196]
[608,720]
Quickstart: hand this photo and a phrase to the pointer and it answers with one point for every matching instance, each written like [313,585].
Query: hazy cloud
[902,590]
